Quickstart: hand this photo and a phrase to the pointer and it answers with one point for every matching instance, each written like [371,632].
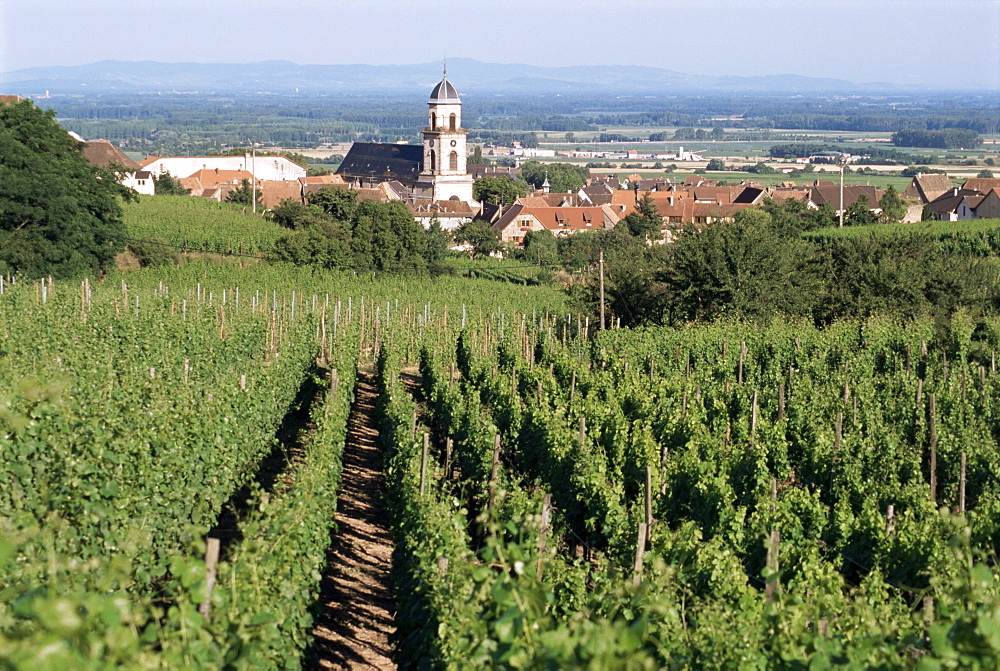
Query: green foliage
[324,243]
[166,185]
[480,236]
[745,268]
[437,241]
[563,177]
[59,215]
[200,224]
[499,190]
[295,214]
[646,221]
[153,252]
[988,174]
[337,202]
[539,247]
[245,195]
[946,138]
[761,169]
[716,164]
[892,205]
[859,213]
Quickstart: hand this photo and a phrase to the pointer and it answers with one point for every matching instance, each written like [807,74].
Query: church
[437,171]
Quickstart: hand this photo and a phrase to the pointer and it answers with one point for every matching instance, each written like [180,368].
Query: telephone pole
[601,266]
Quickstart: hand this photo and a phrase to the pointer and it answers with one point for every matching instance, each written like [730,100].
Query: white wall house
[275,168]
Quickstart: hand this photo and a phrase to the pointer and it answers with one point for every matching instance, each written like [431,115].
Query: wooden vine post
[932,421]
[961,484]
[772,563]
[640,551]
[423,464]
[211,562]
[542,533]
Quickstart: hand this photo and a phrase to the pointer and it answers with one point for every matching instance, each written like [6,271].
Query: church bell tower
[444,175]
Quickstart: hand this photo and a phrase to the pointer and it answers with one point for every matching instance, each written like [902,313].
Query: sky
[953,44]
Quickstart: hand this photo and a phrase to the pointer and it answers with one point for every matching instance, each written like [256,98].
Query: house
[945,207]
[103,154]
[830,195]
[312,184]
[982,184]
[926,188]
[276,168]
[450,214]
[562,222]
[989,206]
[275,191]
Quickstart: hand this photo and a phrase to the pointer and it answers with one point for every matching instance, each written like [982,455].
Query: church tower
[444,175]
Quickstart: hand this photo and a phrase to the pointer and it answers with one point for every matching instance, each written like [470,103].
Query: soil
[357,618]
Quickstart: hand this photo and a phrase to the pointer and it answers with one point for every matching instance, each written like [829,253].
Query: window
[434,124]
[433,161]
[453,161]
[453,121]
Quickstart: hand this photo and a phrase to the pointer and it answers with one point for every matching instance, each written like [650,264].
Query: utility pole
[841,161]
[601,266]
[253,175]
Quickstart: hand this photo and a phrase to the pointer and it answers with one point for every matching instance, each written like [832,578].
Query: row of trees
[946,138]
[760,267]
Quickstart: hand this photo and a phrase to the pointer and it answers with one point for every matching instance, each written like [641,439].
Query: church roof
[444,92]
[383,162]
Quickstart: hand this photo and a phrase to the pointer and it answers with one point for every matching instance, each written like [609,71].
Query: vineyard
[558,497]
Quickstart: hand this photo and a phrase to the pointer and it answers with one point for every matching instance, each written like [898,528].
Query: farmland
[836,488]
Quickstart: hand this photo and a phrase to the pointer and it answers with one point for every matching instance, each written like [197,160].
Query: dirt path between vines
[357,617]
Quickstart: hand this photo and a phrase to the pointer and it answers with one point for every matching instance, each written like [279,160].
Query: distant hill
[470,76]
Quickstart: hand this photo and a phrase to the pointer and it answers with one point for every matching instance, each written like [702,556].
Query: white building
[274,168]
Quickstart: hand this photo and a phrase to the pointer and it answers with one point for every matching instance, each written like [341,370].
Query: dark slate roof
[383,162]
[444,92]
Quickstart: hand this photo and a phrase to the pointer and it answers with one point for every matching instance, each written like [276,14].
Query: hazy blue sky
[941,43]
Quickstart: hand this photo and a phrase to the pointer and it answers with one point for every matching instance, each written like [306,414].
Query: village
[436,181]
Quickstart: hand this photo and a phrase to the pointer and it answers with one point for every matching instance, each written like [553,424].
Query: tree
[326,244]
[859,213]
[295,215]
[59,215]
[336,201]
[166,185]
[386,236]
[985,173]
[563,177]
[244,194]
[646,221]
[716,164]
[746,268]
[540,247]
[893,207]
[436,244]
[477,155]
[499,190]
[483,239]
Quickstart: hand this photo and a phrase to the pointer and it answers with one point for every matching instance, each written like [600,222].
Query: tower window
[453,121]
[434,122]
[433,161]
[453,161]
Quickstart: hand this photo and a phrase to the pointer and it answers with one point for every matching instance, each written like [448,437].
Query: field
[201,225]
[716,496]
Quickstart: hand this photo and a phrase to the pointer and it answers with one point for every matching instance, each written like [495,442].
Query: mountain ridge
[470,75]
